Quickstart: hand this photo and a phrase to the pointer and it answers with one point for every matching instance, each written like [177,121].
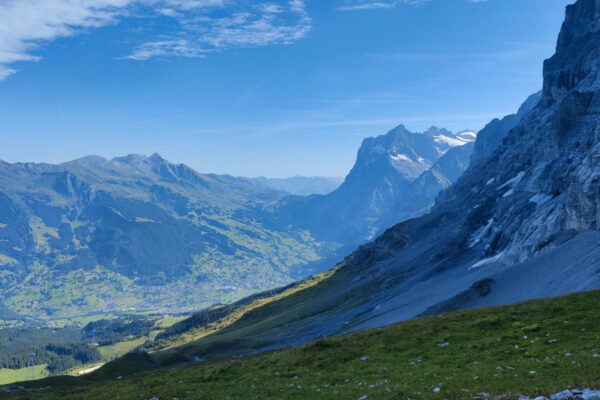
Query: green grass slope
[539,347]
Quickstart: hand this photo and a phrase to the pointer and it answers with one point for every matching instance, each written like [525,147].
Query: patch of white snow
[509,193]
[486,261]
[481,233]
[400,157]
[452,142]
[514,181]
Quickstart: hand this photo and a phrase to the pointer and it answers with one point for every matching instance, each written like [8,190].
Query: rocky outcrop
[573,394]
[491,136]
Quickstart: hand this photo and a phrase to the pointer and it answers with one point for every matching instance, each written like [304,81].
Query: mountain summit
[384,186]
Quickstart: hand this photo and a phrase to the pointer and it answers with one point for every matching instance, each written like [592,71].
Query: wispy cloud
[25,24]
[359,5]
[197,34]
[197,27]
[374,5]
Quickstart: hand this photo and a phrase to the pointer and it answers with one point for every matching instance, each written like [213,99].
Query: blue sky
[249,88]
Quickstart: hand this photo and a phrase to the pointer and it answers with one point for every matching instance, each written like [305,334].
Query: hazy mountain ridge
[302,185]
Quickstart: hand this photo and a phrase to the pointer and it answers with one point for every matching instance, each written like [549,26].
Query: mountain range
[136,233]
[139,233]
[520,223]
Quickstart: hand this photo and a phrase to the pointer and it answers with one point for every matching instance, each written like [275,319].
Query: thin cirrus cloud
[196,27]
[359,5]
[376,5]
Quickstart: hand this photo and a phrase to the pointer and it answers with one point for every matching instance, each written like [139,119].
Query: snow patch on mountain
[400,157]
[452,141]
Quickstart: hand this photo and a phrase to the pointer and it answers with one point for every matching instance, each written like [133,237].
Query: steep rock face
[379,190]
[521,223]
[490,137]
[424,190]
[543,182]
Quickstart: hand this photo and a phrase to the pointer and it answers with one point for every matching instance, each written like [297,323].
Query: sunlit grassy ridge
[232,314]
[538,347]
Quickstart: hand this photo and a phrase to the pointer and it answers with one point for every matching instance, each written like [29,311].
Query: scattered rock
[445,344]
[363,397]
[364,358]
[436,390]
[564,395]
[589,394]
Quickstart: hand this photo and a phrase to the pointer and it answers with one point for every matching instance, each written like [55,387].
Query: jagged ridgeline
[521,223]
[139,233]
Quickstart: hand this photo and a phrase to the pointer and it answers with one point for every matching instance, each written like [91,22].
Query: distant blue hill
[301,185]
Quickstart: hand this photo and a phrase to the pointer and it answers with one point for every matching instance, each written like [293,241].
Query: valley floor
[535,348]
